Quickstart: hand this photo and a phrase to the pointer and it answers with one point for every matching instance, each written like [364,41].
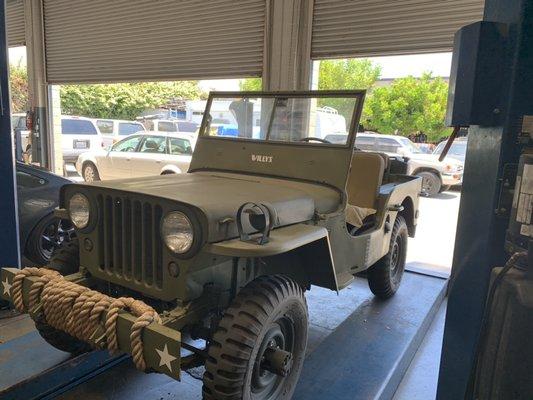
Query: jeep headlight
[177,232]
[79,210]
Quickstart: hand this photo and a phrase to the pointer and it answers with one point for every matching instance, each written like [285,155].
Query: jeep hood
[219,195]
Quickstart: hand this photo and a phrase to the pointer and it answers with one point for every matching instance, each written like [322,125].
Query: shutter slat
[143,40]
[366,28]
[15,23]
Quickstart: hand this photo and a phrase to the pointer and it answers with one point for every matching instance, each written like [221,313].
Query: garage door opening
[404,117]
[123,130]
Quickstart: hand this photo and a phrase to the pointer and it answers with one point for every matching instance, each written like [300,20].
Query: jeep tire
[384,277]
[65,260]
[268,315]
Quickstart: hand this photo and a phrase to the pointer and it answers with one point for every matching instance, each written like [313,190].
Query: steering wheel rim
[309,138]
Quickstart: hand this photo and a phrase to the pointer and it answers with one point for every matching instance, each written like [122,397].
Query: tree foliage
[250,84]
[18,86]
[346,74]
[409,105]
[123,100]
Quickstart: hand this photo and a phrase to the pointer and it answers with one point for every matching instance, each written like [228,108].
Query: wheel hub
[274,360]
[277,361]
[54,235]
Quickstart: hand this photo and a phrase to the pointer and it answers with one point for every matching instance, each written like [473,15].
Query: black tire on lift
[35,251]
[65,260]
[384,277]
[270,313]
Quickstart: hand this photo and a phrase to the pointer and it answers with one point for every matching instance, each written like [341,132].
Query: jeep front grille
[129,242]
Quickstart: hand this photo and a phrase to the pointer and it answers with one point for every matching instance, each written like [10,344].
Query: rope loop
[80,311]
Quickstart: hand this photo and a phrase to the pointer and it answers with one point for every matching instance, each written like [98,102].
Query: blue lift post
[10,253]
[483,221]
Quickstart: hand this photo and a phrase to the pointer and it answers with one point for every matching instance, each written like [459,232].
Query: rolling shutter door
[143,40]
[15,23]
[364,28]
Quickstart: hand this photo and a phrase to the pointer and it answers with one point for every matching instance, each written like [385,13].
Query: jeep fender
[309,244]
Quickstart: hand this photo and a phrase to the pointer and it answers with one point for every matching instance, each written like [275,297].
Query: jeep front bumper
[161,344]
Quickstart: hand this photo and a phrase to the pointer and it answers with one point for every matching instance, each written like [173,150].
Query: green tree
[123,100]
[409,105]
[18,86]
[346,74]
[251,84]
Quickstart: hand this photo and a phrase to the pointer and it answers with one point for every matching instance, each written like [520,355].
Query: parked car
[187,126]
[40,231]
[23,145]
[79,134]
[457,150]
[168,125]
[141,154]
[426,148]
[437,176]
[113,130]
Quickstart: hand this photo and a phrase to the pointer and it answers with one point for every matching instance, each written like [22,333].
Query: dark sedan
[40,231]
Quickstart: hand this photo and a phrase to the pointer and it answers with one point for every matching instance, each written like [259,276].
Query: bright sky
[392,67]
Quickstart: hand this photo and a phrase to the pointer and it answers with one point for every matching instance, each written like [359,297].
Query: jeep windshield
[280,134]
[275,117]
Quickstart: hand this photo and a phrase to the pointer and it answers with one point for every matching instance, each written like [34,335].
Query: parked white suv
[113,130]
[139,154]
[168,125]
[437,176]
[78,135]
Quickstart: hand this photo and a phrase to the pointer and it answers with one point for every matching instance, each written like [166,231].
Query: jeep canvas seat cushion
[362,186]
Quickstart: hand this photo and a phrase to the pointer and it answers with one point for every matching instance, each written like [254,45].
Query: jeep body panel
[302,184]
[219,195]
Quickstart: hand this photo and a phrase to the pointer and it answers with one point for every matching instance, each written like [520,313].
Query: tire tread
[233,341]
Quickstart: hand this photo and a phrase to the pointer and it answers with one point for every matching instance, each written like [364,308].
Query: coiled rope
[79,311]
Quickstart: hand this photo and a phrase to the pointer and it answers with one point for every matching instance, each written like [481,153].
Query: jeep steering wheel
[316,139]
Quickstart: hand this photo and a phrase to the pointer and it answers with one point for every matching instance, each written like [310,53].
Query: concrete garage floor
[331,324]
[327,312]
[420,380]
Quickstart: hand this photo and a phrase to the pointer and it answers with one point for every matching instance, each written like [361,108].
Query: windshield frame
[357,95]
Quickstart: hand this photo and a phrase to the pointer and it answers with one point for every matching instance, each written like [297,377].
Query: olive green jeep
[224,253]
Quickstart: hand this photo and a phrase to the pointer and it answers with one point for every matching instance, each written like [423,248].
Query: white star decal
[7,287]
[165,357]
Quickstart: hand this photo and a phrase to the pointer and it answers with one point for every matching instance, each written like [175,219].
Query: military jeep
[224,253]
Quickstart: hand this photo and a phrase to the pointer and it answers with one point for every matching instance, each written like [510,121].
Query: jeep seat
[362,186]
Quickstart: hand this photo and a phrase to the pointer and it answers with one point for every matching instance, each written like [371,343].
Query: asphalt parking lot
[432,247]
